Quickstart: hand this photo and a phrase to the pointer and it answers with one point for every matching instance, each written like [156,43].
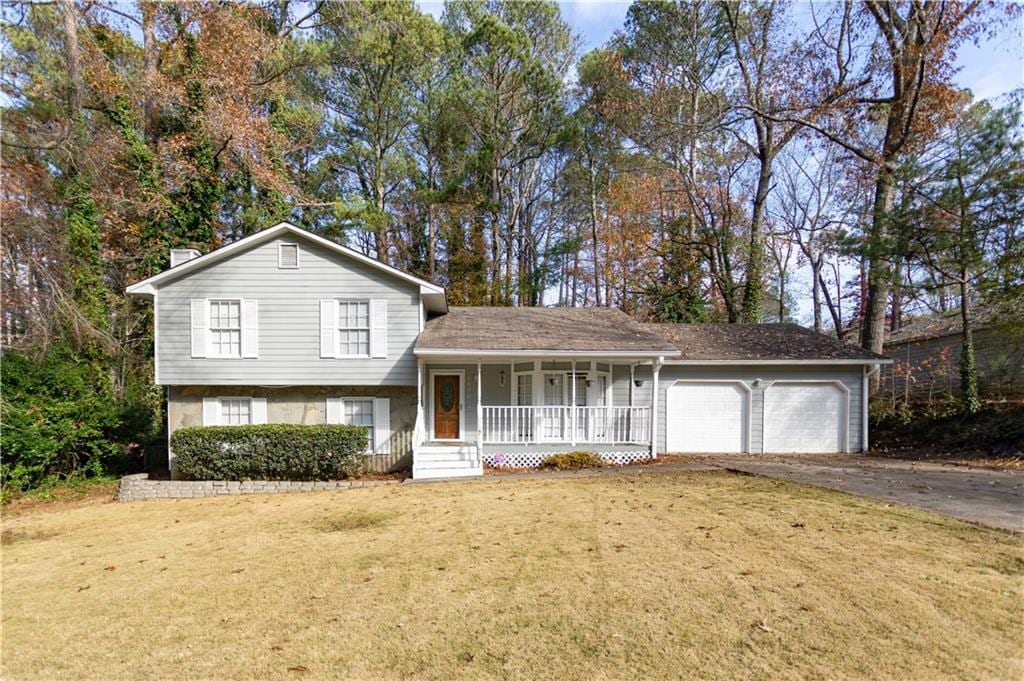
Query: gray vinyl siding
[289,320]
[851,377]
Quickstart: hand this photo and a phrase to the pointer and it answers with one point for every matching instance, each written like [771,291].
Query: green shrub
[269,452]
[572,461]
[62,419]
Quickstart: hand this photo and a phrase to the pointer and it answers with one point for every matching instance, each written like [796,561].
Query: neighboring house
[287,327]
[926,355]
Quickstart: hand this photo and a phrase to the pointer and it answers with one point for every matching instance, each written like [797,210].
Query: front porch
[516,411]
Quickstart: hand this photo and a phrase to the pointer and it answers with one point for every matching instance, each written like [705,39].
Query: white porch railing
[529,424]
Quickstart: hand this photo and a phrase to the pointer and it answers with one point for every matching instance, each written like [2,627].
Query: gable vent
[182,255]
[288,256]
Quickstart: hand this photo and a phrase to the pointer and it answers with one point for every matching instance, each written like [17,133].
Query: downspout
[865,384]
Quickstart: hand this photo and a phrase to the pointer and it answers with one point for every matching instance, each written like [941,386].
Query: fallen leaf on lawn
[441,567]
[297,668]
[163,569]
[237,570]
[83,588]
[797,525]
[467,657]
[276,648]
[763,627]
[619,547]
[110,568]
[317,597]
[367,579]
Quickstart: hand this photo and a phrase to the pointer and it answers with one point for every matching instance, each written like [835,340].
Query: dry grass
[656,575]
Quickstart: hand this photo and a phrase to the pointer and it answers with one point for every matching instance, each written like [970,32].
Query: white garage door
[706,417]
[804,417]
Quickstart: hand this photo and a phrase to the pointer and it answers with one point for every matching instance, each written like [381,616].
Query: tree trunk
[753,289]
[69,15]
[816,290]
[149,70]
[879,271]
[969,396]
[593,235]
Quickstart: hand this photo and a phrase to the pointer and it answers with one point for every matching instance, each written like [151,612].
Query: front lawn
[655,575]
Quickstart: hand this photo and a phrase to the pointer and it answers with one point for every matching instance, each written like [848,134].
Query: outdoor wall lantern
[590,380]
[501,378]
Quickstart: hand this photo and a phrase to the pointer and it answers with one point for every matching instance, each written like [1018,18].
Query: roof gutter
[469,352]
[780,362]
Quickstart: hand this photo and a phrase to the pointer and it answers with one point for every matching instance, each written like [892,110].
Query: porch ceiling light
[638,382]
[552,380]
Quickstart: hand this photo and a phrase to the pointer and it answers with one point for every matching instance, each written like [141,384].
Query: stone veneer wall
[140,488]
[304,404]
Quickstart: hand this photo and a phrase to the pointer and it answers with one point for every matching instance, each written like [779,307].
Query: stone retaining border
[139,487]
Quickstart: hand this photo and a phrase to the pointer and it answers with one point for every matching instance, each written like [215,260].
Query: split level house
[287,327]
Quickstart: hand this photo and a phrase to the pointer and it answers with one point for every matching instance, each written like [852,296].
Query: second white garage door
[804,417]
[706,417]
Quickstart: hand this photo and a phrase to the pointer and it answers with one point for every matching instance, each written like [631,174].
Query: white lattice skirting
[533,459]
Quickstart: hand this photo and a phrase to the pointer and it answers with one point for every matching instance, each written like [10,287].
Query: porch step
[446,449]
[432,473]
[436,459]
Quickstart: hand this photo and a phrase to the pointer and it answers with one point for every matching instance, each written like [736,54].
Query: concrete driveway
[990,497]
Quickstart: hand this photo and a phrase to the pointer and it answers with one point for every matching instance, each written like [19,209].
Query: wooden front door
[447,407]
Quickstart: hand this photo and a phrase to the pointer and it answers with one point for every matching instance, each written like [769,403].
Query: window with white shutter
[353,328]
[225,331]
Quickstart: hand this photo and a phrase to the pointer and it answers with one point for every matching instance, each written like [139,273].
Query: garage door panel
[804,418]
[706,417]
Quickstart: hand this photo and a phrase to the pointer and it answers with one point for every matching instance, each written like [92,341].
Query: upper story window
[225,328]
[288,256]
[354,328]
[235,411]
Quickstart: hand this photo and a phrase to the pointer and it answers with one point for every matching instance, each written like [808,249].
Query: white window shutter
[259,410]
[382,425]
[250,328]
[378,328]
[211,411]
[200,327]
[328,328]
[333,410]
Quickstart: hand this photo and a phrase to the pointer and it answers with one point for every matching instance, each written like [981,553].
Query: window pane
[360,413]
[524,393]
[235,412]
[354,328]
[225,328]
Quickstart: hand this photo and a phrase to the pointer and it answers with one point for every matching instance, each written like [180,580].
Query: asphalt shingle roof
[756,342]
[584,329]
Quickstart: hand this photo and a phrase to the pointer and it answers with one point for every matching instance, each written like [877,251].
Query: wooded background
[714,161]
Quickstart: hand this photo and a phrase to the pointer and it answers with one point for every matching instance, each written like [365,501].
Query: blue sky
[989,70]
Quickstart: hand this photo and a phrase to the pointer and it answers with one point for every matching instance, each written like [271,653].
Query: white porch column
[572,405]
[418,431]
[479,413]
[655,369]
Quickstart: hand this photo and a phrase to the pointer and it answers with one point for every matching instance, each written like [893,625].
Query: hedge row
[269,452]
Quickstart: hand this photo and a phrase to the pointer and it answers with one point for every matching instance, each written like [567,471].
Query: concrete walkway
[980,495]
